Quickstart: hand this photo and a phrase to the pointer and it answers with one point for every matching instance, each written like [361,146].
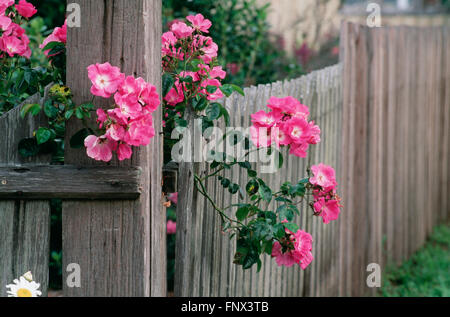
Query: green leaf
[225,114]
[238,89]
[225,182]
[291,226]
[211,89]
[280,160]
[43,135]
[265,192]
[28,147]
[242,212]
[227,90]
[199,103]
[252,187]
[33,109]
[69,114]
[51,46]
[285,212]
[234,188]
[268,247]
[249,260]
[50,110]
[245,165]
[79,113]
[87,106]
[167,84]
[252,173]
[77,140]
[213,111]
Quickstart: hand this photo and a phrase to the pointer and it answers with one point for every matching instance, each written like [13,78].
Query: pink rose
[105,79]
[218,94]
[175,95]
[199,22]
[100,148]
[264,119]
[26,9]
[173,197]
[328,210]
[324,176]
[171,227]
[299,251]
[181,30]
[124,152]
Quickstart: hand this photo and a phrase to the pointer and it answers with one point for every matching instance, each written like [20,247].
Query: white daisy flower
[24,287]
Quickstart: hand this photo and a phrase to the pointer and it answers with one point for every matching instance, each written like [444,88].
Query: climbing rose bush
[129,123]
[192,82]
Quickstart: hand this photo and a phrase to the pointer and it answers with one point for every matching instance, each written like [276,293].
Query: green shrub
[250,53]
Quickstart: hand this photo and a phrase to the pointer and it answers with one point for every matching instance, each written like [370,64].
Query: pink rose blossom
[26,9]
[5,4]
[299,150]
[264,119]
[328,210]
[315,133]
[175,95]
[105,79]
[324,176]
[140,131]
[100,148]
[215,95]
[298,250]
[128,105]
[200,23]
[298,130]
[5,22]
[124,152]
[171,227]
[11,45]
[260,136]
[173,197]
[59,34]
[181,30]
[218,72]
[279,137]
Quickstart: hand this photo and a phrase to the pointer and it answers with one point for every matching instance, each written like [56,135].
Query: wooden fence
[384,113]
[112,227]
[385,119]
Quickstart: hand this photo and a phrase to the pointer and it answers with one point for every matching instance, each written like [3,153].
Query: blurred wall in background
[316,22]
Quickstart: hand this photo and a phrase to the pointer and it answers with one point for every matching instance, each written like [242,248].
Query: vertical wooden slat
[120,246]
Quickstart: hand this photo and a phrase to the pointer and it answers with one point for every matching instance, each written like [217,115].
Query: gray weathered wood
[69,182]
[24,226]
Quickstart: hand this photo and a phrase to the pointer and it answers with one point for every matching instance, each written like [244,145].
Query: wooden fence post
[119,245]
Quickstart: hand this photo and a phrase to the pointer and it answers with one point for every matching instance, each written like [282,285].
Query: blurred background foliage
[52,11]
[251,54]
